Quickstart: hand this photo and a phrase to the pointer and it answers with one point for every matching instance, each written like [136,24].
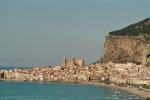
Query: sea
[16,90]
[12,90]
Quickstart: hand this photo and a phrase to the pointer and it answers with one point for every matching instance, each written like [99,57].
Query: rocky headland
[130,44]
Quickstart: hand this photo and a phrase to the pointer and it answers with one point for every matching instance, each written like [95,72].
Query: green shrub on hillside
[142,27]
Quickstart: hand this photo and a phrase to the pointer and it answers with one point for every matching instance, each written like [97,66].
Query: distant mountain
[6,67]
[140,28]
[13,67]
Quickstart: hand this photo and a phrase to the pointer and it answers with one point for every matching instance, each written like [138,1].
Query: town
[77,72]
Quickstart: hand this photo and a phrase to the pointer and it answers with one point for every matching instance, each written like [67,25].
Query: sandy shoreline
[132,90]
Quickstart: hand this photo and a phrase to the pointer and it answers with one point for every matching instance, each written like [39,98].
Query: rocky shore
[121,76]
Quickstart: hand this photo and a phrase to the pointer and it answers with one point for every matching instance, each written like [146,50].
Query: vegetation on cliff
[140,28]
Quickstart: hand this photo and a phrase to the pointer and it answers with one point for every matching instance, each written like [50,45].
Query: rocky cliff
[129,46]
[122,49]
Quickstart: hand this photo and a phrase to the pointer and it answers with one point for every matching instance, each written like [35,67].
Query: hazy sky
[42,32]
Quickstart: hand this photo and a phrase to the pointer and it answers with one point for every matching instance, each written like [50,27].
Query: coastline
[98,74]
[132,90]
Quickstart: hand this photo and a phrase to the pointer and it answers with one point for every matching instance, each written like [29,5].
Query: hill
[129,44]
[139,28]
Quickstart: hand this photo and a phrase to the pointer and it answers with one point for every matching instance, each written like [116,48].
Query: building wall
[73,62]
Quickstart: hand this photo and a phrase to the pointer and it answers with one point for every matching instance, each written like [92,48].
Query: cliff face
[127,47]
[122,49]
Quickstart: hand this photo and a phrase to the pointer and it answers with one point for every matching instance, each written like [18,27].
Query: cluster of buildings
[76,71]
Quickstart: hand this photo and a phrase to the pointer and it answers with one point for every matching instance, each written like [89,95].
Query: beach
[129,89]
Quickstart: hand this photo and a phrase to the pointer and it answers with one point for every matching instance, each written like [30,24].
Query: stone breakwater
[121,74]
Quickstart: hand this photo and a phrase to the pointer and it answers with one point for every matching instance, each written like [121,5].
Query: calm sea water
[59,91]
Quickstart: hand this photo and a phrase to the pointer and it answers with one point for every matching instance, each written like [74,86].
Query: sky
[43,32]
